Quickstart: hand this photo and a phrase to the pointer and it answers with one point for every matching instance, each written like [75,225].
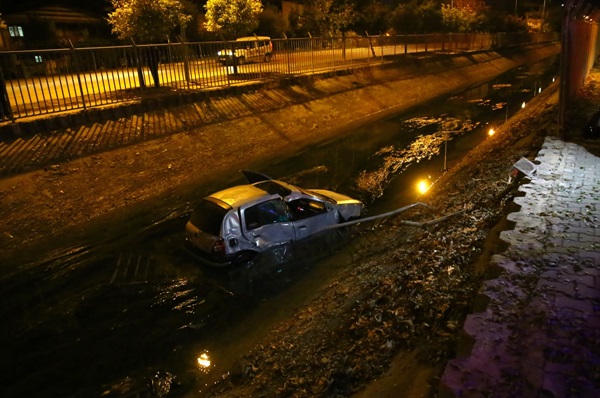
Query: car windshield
[208,217]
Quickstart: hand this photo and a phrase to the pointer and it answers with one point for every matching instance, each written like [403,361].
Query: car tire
[268,57]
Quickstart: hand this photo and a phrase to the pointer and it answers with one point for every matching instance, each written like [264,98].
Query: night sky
[98,6]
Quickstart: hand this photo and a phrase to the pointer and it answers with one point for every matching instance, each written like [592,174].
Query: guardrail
[37,82]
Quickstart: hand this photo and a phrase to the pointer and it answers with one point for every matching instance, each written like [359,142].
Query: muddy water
[117,315]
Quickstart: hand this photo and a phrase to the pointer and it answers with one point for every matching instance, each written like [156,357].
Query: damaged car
[235,224]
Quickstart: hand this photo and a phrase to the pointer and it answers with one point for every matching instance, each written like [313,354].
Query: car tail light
[219,247]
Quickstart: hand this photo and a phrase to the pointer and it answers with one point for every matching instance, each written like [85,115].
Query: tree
[417,17]
[232,18]
[147,21]
[328,17]
[373,18]
[271,22]
[460,19]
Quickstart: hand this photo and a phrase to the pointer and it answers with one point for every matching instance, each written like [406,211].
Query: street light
[491,132]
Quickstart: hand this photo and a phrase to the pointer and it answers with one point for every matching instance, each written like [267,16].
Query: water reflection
[204,362]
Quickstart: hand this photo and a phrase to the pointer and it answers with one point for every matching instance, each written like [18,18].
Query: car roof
[239,195]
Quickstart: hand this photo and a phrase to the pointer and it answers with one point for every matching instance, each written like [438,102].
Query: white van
[247,49]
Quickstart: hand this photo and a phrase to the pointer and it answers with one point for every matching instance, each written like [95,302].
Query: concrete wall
[581,53]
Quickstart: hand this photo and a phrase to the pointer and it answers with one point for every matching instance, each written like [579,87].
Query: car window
[304,208]
[270,212]
[208,217]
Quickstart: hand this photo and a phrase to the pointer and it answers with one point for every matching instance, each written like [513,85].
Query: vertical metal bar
[41,89]
[289,50]
[381,43]
[74,52]
[62,89]
[29,98]
[14,85]
[114,75]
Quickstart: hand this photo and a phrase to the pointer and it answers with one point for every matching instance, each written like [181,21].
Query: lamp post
[516,1]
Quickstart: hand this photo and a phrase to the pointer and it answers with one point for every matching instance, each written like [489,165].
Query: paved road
[42,94]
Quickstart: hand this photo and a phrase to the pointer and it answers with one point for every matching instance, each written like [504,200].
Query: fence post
[382,41]
[312,53]
[343,46]
[370,44]
[289,49]
[74,54]
[332,51]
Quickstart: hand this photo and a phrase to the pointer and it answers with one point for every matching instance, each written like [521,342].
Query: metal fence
[40,82]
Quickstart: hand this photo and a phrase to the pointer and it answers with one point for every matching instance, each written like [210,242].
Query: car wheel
[268,57]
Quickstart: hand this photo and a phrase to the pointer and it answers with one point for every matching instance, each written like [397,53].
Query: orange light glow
[423,186]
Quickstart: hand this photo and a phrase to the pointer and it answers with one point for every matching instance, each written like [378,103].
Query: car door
[269,223]
[311,215]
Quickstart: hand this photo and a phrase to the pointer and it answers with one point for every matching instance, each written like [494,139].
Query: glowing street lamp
[491,132]
[523,105]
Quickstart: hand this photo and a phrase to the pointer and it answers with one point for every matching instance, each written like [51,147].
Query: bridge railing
[37,82]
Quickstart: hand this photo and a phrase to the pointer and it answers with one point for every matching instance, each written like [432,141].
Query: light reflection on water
[204,362]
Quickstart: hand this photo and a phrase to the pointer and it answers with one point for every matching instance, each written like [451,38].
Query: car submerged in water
[236,224]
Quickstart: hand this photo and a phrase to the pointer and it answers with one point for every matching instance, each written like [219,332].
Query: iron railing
[37,82]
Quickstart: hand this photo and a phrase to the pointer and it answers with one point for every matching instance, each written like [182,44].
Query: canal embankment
[64,170]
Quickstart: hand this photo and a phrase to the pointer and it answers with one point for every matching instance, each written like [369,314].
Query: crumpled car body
[236,224]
